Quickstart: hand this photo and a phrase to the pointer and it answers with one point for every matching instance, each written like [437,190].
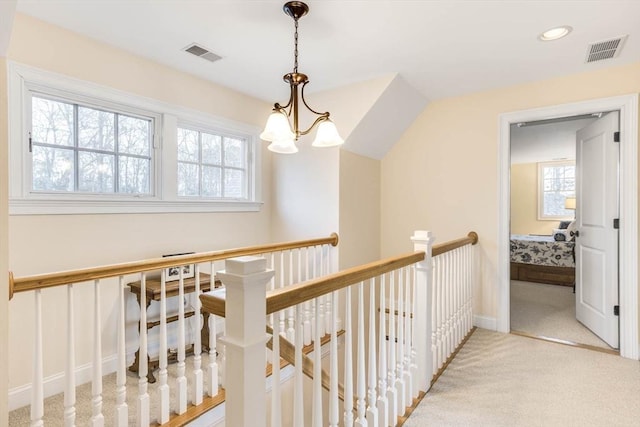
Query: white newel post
[423,241]
[245,279]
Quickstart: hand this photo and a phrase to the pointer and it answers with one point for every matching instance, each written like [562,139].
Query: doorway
[628,310]
[543,187]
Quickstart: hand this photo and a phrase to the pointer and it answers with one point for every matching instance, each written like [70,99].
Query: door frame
[628,252]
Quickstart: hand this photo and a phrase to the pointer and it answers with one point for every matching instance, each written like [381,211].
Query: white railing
[378,381]
[295,262]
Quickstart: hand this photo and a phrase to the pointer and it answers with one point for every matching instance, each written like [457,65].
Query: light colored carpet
[507,380]
[549,311]
[54,405]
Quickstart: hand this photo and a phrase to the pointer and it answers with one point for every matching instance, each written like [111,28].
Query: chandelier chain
[295,51]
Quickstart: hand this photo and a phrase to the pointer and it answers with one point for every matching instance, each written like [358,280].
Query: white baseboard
[54,384]
[485,322]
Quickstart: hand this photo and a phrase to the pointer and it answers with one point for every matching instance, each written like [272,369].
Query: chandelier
[279,130]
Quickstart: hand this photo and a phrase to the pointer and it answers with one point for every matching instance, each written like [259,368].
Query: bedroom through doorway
[543,185]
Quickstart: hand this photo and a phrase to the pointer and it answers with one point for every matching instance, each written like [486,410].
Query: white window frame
[22,80]
[194,125]
[541,165]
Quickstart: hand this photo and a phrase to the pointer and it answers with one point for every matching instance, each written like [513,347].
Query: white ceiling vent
[202,52]
[605,49]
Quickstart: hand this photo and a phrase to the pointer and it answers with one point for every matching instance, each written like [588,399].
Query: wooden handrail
[289,296]
[472,238]
[282,298]
[41,281]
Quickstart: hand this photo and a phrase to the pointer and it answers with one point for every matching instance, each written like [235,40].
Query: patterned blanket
[541,250]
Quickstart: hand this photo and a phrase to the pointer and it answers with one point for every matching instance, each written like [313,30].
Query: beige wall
[359,209]
[524,201]
[44,243]
[4,243]
[442,175]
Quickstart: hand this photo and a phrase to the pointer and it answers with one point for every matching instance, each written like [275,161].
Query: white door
[597,157]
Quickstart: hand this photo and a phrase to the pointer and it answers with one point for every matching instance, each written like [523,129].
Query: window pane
[133,175]
[52,122]
[188,145]
[95,129]
[52,169]
[234,183]
[211,149]
[133,135]
[188,179]
[95,172]
[211,181]
[234,154]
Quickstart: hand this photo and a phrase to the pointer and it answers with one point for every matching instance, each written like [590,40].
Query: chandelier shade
[279,130]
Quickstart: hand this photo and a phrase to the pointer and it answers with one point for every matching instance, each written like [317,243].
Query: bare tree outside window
[77,148]
[211,166]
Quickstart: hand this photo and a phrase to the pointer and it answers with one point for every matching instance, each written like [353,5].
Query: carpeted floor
[549,311]
[507,380]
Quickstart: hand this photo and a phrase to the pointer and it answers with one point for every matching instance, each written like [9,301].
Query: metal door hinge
[30,143]
[616,137]
[616,223]
[616,310]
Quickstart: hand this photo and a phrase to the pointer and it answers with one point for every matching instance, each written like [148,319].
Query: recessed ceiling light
[555,33]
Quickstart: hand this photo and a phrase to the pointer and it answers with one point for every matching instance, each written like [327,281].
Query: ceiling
[441,48]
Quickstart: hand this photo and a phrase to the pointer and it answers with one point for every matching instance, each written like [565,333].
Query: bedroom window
[556,182]
[212,165]
[77,148]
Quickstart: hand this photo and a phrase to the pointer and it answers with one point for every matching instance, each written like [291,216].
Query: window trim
[23,79]
[250,147]
[540,214]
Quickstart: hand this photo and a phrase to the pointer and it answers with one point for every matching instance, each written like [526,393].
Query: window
[77,148]
[556,181]
[211,165]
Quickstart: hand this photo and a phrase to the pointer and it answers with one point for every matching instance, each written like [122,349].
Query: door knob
[577,233]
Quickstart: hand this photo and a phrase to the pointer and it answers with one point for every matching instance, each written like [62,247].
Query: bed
[541,259]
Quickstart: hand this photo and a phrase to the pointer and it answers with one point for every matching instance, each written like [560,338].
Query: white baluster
[317,375]
[383,403]
[450,298]
[298,390]
[143,416]
[163,388]
[70,371]
[406,362]
[37,392]
[392,393]
[415,387]
[308,327]
[361,386]
[440,304]
[334,411]
[372,398]
[97,419]
[122,410]
[328,301]
[292,314]
[276,402]
[212,373]
[400,387]
[181,379]
[272,283]
[470,272]
[281,313]
[320,300]
[198,375]
[348,362]
[456,290]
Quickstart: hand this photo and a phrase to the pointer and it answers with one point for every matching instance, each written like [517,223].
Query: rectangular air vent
[202,52]
[605,49]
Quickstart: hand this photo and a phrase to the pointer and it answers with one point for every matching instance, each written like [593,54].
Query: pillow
[559,235]
[563,225]
[572,228]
